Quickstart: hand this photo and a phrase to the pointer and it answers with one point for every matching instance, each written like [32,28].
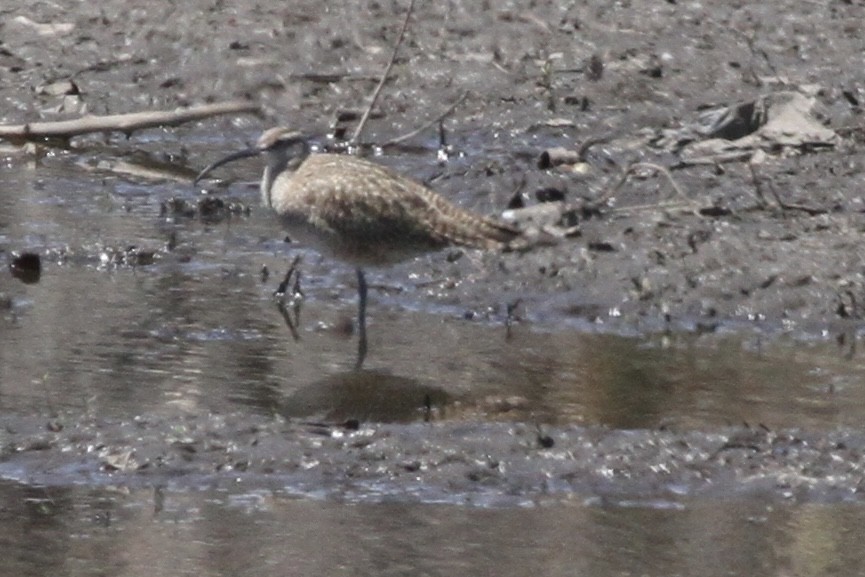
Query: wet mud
[556,106]
[479,464]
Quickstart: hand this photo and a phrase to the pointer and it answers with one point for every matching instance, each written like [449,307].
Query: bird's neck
[267,184]
[279,161]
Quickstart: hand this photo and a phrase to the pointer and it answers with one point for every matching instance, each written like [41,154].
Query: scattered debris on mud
[493,464]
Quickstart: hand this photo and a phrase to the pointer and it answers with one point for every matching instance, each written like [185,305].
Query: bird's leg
[286,285]
[296,296]
[290,322]
[512,316]
[361,318]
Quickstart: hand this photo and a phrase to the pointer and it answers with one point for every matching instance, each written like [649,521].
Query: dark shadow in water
[365,396]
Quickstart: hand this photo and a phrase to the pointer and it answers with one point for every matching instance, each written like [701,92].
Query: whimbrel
[360,212]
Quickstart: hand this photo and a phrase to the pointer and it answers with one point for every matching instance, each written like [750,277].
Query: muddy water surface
[184,327]
[233,533]
[194,325]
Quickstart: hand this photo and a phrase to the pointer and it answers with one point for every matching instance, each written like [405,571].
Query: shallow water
[198,331]
[153,533]
[208,337]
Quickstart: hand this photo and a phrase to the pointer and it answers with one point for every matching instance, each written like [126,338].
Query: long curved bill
[230,158]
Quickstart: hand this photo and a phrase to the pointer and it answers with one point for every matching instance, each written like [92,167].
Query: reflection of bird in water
[358,211]
[366,396]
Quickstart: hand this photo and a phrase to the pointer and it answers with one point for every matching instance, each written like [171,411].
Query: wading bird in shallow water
[359,212]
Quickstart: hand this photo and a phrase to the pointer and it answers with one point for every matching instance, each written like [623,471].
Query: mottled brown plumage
[358,211]
[365,214]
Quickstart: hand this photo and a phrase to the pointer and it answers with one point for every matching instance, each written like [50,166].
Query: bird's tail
[474,231]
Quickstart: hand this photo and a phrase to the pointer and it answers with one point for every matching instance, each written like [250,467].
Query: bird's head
[285,149]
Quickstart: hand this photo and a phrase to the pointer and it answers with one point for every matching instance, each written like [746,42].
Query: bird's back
[366,214]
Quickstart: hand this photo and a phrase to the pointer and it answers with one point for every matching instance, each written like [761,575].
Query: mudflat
[655,141]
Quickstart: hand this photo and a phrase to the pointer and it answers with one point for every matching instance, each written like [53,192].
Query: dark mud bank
[470,463]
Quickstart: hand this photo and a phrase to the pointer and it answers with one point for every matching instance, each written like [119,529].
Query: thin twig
[812,211]
[751,41]
[663,170]
[611,191]
[651,165]
[426,125]
[384,76]
[758,187]
[713,160]
[583,148]
[668,205]
[122,122]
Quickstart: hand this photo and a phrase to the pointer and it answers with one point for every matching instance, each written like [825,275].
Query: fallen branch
[126,123]
[384,76]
